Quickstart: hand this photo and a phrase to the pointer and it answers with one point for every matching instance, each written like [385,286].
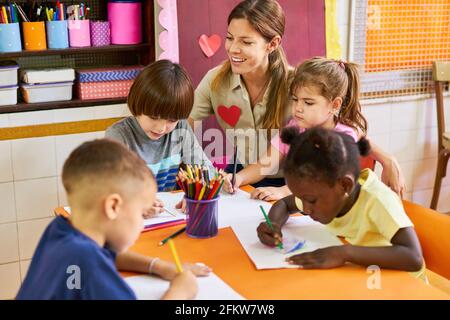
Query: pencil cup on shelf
[125,18]
[34,35]
[100,33]
[57,34]
[10,37]
[202,218]
[79,33]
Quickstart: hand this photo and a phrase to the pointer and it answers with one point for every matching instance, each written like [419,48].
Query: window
[396,42]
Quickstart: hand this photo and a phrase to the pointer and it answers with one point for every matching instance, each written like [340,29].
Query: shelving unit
[87,57]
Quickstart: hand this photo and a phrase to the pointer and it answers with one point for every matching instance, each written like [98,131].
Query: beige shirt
[234,93]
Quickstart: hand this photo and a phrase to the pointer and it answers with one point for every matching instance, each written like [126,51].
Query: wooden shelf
[23,107]
[111,48]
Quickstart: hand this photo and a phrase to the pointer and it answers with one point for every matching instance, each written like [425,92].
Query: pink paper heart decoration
[209,45]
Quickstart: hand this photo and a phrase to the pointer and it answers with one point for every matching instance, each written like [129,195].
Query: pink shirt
[284,148]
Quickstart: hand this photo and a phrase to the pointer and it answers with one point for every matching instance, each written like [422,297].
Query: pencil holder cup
[125,19]
[100,33]
[202,218]
[57,34]
[79,33]
[10,37]
[34,35]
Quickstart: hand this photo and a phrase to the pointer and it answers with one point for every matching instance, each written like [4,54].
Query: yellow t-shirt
[375,217]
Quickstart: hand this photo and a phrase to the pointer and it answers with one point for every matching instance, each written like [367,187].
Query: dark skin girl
[323,203]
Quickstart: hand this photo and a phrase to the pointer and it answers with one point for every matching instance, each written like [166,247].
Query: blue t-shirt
[69,265]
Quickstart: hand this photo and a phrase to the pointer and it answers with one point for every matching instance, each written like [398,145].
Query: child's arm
[270,193]
[135,262]
[268,164]
[278,215]
[392,174]
[404,254]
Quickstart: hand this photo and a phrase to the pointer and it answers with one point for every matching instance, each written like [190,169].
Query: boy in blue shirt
[108,189]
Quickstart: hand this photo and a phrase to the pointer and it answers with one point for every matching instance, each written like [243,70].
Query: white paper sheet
[209,288]
[235,207]
[302,227]
[170,199]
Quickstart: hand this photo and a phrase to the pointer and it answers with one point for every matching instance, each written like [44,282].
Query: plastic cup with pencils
[202,198]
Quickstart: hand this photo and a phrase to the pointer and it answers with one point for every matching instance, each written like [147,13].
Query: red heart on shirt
[230,115]
[209,45]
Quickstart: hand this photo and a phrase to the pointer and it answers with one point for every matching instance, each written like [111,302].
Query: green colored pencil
[279,245]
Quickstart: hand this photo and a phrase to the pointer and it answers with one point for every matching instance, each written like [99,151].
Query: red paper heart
[230,115]
[209,45]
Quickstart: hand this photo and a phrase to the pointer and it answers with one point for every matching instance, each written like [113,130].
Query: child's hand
[183,286]
[268,236]
[228,187]
[326,258]
[168,270]
[181,205]
[268,193]
[158,207]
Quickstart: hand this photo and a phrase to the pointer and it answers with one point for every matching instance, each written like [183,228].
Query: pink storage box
[103,90]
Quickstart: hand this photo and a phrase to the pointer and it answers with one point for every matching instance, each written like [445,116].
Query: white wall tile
[99,135]
[5,161]
[408,173]
[424,174]
[31,118]
[427,143]
[30,233]
[9,250]
[444,200]
[10,280]
[62,198]
[8,206]
[381,140]
[403,145]
[36,198]
[24,266]
[423,197]
[404,116]
[66,144]
[378,118]
[76,114]
[111,111]
[33,158]
[4,120]
[408,196]
[426,114]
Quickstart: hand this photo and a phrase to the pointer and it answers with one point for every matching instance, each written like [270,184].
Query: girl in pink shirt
[324,92]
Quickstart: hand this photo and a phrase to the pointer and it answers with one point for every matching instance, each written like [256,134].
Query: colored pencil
[175,255]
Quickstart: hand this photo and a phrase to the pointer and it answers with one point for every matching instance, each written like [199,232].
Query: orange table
[229,261]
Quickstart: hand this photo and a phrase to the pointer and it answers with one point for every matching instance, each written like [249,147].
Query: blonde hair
[334,78]
[267,18]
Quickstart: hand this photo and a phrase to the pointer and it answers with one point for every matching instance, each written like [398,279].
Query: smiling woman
[253,79]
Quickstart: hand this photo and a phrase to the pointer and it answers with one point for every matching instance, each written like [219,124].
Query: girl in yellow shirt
[322,171]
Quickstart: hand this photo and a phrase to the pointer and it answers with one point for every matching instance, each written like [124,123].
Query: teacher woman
[249,92]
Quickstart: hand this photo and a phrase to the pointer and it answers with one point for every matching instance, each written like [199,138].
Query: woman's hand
[158,207]
[270,193]
[326,258]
